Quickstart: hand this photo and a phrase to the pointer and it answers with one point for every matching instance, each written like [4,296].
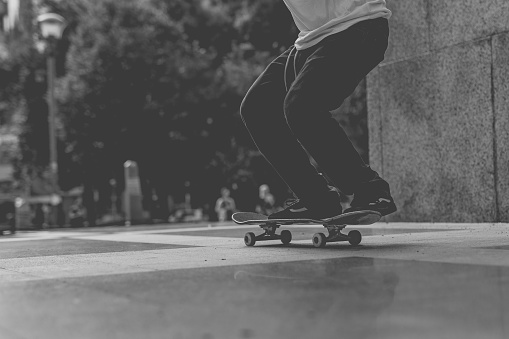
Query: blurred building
[10,26]
[3,27]
[16,23]
[8,143]
[4,15]
[16,28]
[16,16]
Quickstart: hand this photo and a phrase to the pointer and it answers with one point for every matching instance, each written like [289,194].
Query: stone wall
[438,110]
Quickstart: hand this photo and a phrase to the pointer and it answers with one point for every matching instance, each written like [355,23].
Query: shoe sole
[361,217]
[383,212]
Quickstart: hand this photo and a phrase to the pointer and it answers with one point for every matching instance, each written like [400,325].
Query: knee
[254,105]
[247,108]
[296,112]
[260,106]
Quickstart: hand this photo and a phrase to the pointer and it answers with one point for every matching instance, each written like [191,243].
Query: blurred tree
[126,67]
[243,36]
[22,89]
[161,82]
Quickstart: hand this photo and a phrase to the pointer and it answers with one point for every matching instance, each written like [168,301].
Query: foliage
[22,108]
[159,82]
[126,61]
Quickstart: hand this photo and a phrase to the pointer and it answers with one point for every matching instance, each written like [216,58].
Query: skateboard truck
[270,234]
[354,237]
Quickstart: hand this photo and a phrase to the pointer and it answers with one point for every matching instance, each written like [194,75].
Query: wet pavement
[201,281]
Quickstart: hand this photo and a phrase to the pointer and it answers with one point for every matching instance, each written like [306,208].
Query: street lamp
[52,26]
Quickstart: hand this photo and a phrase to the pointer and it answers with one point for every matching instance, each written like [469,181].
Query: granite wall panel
[436,126]
[374,122]
[458,21]
[500,49]
[409,29]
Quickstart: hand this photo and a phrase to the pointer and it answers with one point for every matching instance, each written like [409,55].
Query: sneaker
[328,209]
[382,205]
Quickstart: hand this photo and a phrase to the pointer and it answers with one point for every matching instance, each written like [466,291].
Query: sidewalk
[406,280]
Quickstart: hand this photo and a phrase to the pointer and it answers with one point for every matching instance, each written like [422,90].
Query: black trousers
[287,110]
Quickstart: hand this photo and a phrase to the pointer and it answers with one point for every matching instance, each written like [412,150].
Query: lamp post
[52,26]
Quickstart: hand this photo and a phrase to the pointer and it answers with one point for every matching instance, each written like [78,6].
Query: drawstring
[294,67]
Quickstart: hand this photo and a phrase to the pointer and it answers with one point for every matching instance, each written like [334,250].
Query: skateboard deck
[333,227]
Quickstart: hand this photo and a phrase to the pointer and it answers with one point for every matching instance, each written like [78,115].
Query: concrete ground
[202,282]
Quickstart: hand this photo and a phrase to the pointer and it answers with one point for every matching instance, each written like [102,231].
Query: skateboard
[334,227]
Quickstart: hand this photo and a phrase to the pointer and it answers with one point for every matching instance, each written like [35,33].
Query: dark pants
[287,110]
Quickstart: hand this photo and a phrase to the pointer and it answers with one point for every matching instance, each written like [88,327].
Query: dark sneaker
[384,206]
[326,210]
[373,195]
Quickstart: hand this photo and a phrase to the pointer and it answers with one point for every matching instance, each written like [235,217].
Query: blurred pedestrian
[11,222]
[76,214]
[287,109]
[225,205]
[266,200]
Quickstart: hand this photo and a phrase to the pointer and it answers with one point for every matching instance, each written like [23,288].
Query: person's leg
[263,114]
[327,74]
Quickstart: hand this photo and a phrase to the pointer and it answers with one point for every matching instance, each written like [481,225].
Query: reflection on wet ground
[374,298]
[334,298]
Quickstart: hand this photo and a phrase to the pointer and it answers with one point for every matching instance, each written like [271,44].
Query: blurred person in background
[225,205]
[266,201]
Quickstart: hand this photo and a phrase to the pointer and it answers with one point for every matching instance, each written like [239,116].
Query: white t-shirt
[317,19]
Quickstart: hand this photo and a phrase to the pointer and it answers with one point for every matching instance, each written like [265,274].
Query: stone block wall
[438,110]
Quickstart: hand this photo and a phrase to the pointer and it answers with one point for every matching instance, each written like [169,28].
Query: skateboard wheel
[249,239]
[354,237]
[319,240]
[286,237]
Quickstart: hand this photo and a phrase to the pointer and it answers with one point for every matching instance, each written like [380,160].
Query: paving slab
[405,280]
